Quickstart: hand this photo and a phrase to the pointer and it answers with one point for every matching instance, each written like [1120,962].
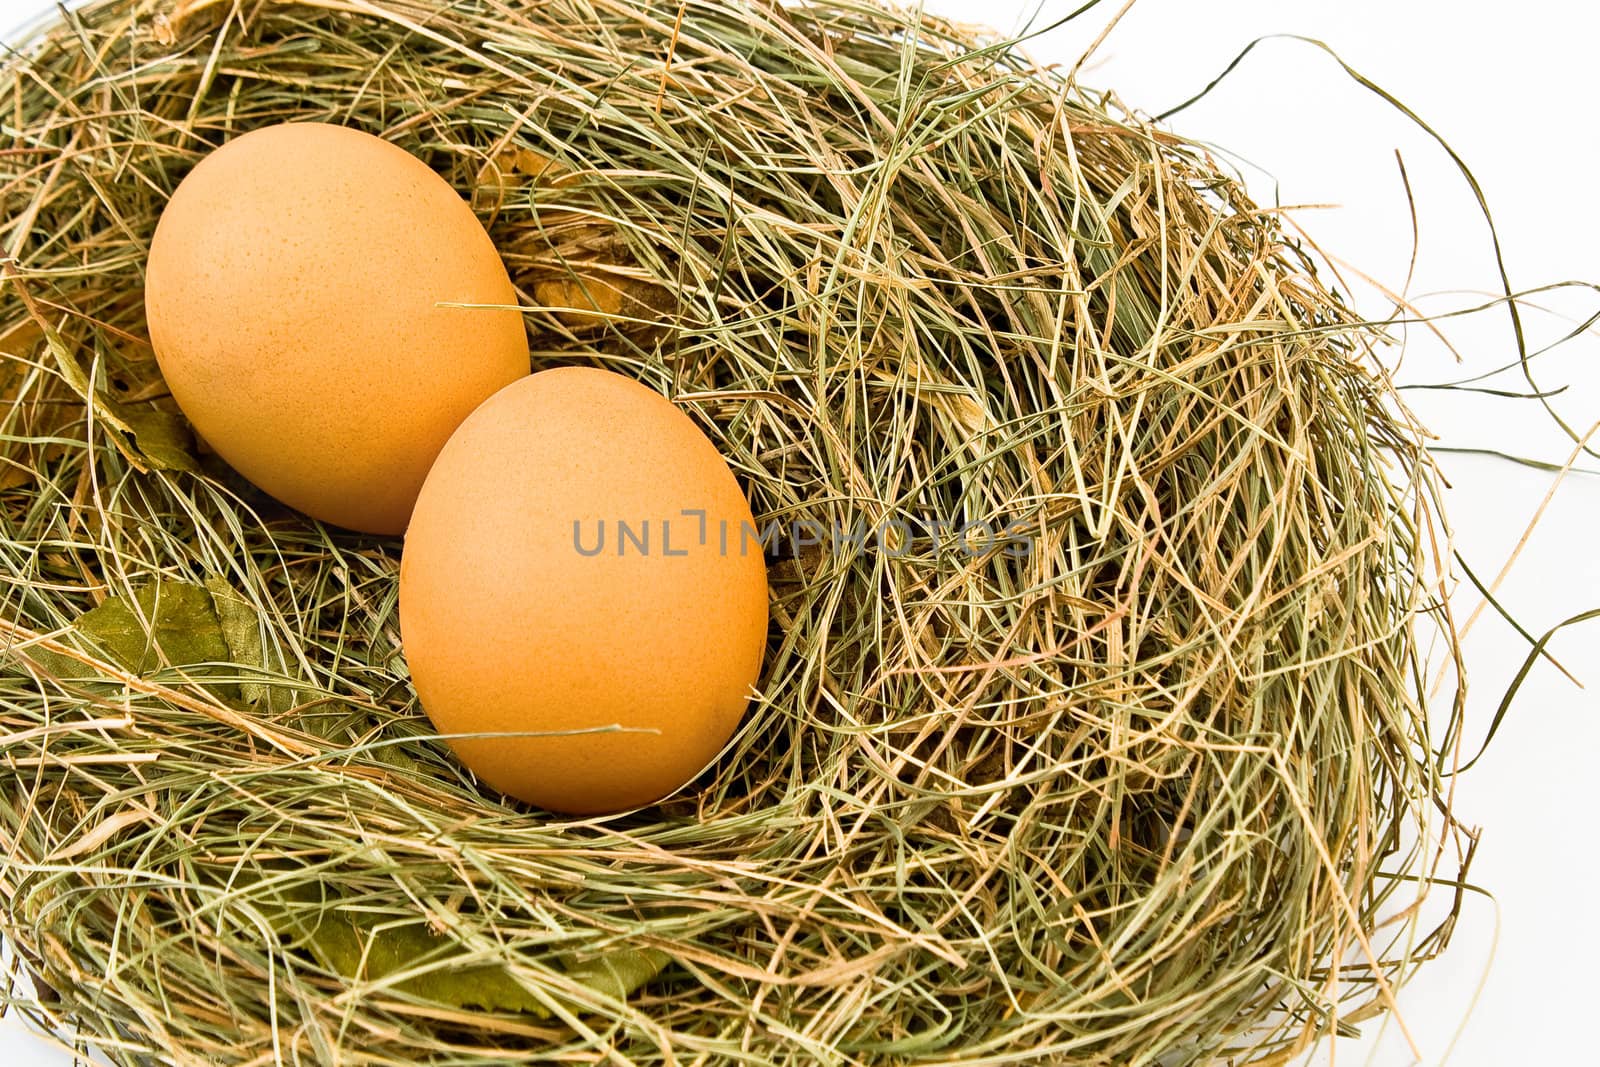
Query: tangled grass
[1139,785]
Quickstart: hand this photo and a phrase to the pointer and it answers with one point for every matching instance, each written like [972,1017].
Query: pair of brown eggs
[582,607]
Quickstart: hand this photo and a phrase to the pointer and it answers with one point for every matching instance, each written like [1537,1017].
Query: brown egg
[582,563]
[293,294]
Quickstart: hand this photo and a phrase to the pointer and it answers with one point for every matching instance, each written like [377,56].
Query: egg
[301,294]
[583,581]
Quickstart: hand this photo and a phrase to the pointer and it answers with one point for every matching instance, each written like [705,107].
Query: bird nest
[1091,727]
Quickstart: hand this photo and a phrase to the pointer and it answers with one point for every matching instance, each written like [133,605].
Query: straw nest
[1137,780]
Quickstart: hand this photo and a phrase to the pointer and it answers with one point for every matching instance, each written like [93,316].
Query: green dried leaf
[49,662]
[345,946]
[241,631]
[618,972]
[177,624]
[165,623]
[396,757]
[237,619]
[160,438]
[354,946]
[148,436]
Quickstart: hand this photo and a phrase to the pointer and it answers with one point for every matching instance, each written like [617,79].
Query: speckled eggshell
[513,621]
[292,294]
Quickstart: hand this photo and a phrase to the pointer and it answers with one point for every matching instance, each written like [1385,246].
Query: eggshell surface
[293,295]
[582,563]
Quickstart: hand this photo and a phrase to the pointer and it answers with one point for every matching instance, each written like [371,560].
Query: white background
[1513,89]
